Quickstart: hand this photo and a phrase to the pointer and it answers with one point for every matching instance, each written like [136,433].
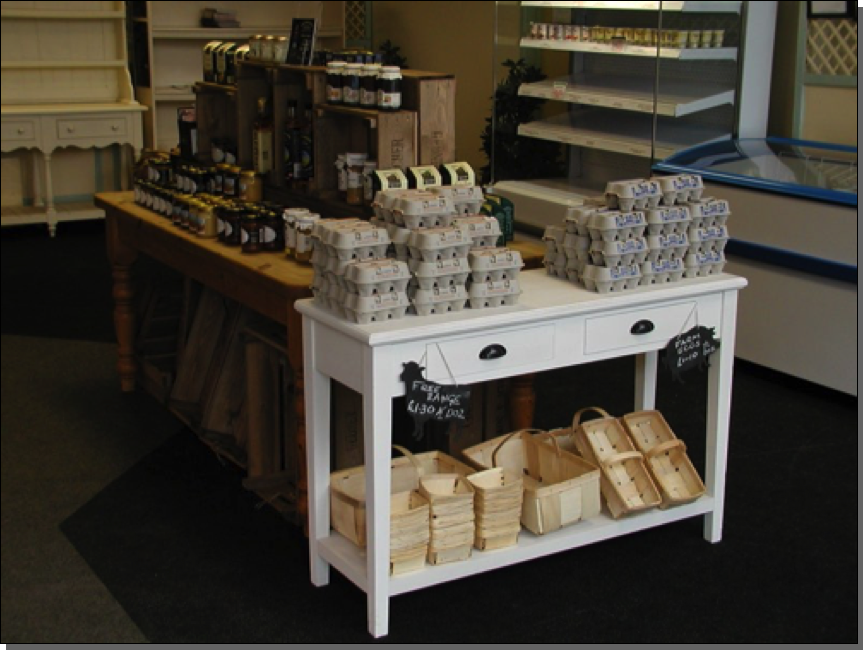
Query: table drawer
[91,127]
[506,351]
[19,132]
[657,325]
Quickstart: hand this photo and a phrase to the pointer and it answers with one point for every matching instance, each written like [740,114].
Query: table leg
[122,257]
[377,427]
[522,401]
[317,411]
[50,209]
[295,358]
[719,382]
[645,380]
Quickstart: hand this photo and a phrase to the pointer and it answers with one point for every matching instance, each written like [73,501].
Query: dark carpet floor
[191,556]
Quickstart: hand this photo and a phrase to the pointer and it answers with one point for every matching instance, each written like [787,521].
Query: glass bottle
[262,138]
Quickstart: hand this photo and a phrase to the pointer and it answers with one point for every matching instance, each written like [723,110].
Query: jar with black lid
[351,84]
[274,232]
[389,88]
[335,69]
[251,231]
[369,85]
[232,215]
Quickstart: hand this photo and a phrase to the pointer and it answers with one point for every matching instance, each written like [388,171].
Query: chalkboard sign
[690,350]
[428,400]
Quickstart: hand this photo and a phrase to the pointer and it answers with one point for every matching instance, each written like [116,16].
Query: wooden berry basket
[498,498]
[559,487]
[450,498]
[666,456]
[626,484]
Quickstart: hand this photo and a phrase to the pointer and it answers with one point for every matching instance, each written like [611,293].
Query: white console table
[45,128]
[555,324]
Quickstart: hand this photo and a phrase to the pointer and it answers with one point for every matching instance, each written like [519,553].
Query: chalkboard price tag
[428,400]
[690,350]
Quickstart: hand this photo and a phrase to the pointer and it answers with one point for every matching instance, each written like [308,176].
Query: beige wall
[451,37]
[830,115]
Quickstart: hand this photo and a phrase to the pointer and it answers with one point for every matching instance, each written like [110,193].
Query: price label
[690,350]
[428,400]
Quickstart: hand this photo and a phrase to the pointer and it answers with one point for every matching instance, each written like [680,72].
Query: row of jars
[253,226]
[646,36]
[369,85]
[222,180]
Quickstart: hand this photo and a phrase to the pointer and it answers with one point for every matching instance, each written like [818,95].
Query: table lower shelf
[350,560]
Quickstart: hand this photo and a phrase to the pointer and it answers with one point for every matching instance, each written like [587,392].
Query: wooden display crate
[432,96]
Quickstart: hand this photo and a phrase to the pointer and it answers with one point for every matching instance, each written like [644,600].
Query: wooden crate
[432,96]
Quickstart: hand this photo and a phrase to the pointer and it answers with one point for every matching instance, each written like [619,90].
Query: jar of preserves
[207,225]
[251,187]
[351,84]
[251,232]
[335,70]
[305,226]
[273,237]
[369,85]
[290,217]
[389,88]
[233,215]
[280,49]
[231,181]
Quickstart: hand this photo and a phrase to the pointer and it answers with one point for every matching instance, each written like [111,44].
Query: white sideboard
[555,324]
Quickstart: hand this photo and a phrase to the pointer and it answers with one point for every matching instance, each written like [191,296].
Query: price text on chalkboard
[428,400]
[690,350]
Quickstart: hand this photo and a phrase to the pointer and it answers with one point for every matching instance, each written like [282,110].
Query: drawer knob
[641,327]
[493,351]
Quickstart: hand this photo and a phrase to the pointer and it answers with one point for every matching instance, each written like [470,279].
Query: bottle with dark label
[262,138]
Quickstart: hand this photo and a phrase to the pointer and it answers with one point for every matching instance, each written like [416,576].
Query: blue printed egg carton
[700,265]
[709,212]
[614,225]
[465,199]
[707,239]
[441,273]
[634,194]
[484,230]
[374,277]
[680,187]
[667,220]
[494,293]
[661,271]
[619,253]
[441,300]
[608,279]
[673,246]
[494,264]
[377,308]
[440,243]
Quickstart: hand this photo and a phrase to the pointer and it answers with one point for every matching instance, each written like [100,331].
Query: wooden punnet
[498,497]
[559,487]
[666,457]
[450,498]
[626,484]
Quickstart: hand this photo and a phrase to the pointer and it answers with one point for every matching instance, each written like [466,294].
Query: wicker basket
[667,461]
[559,487]
[450,498]
[498,498]
[348,487]
[626,484]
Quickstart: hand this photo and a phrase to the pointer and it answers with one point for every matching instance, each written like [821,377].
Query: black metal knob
[493,351]
[641,327]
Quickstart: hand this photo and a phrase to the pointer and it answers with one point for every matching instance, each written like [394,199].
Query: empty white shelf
[676,98]
[621,132]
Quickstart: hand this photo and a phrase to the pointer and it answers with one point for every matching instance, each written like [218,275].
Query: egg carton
[484,230]
[465,200]
[385,201]
[577,247]
[494,264]
[613,226]
[439,301]
[635,194]
[423,210]
[554,236]
[616,253]
[360,243]
[442,273]
[575,220]
[445,242]
[709,212]
[335,271]
[377,276]
[376,309]
[323,225]
[700,265]
[670,247]
[713,238]
[557,267]
[493,294]
[679,188]
[661,271]
[604,279]
[575,269]
[668,220]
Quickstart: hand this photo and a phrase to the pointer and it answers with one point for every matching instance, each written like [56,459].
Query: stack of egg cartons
[554,259]
[352,274]
[465,199]
[708,236]
[494,271]
[440,268]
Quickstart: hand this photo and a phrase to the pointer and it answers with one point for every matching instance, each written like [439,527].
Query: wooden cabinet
[168,43]
[65,83]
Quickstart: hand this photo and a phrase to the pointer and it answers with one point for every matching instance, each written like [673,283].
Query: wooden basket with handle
[666,456]
[498,498]
[450,498]
[559,487]
[625,482]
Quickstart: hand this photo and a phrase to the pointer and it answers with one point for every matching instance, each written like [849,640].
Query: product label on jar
[389,100]
[269,235]
[229,230]
[334,94]
[368,97]
[304,242]
[350,95]
[290,237]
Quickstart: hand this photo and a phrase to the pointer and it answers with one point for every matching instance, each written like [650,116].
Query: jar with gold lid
[251,186]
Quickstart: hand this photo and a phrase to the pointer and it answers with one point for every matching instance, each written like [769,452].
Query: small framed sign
[830,9]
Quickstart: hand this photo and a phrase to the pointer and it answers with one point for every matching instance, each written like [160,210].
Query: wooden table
[267,283]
